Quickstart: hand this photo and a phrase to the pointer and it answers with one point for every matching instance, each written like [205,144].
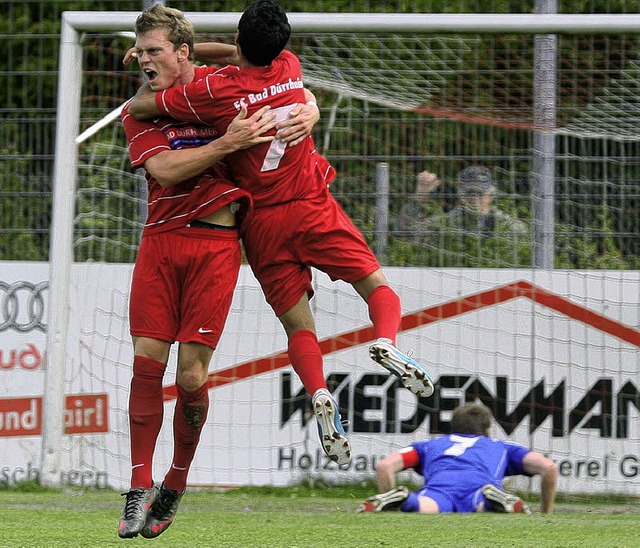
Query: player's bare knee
[191,377]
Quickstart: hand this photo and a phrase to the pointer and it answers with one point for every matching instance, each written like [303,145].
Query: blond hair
[179,28]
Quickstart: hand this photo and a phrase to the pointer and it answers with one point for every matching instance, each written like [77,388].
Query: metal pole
[544,144]
[61,251]
[381,235]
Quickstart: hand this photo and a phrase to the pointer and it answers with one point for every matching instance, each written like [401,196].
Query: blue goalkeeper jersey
[465,462]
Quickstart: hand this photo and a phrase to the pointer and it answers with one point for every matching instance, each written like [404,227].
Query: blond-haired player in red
[187,264]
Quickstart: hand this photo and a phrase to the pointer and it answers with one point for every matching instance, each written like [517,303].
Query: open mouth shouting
[150,74]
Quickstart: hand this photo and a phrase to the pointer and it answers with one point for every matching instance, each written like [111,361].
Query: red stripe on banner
[443,311]
[580,313]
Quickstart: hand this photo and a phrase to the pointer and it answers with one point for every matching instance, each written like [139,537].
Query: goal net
[552,351]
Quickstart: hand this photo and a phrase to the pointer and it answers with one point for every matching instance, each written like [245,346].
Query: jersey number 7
[277,148]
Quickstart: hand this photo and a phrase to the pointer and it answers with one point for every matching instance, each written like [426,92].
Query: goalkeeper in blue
[463,471]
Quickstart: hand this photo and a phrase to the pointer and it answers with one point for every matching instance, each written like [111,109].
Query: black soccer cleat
[162,512]
[135,511]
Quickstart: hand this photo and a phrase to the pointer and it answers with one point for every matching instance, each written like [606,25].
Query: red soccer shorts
[283,242]
[183,283]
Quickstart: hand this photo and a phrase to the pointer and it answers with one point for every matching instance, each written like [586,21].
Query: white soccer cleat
[503,502]
[391,500]
[413,375]
[333,438]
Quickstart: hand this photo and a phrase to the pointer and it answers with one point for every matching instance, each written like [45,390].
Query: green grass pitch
[301,517]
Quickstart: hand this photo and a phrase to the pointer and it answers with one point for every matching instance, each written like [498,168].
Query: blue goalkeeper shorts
[451,500]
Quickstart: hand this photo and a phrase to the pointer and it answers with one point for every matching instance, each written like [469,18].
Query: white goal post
[74,24]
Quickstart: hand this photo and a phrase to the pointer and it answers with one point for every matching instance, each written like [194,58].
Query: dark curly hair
[263,32]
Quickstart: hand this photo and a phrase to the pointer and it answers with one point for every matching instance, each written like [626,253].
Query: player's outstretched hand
[299,125]
[250,131]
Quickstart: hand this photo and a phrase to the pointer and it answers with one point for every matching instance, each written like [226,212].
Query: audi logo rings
[22,306]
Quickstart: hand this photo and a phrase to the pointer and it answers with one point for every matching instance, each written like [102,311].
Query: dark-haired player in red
[296,223]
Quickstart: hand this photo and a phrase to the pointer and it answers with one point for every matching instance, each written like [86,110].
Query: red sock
[146,407]
[306,359]
[188,420]
[385,312]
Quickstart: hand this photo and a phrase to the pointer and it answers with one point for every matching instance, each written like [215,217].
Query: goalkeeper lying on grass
[462,471]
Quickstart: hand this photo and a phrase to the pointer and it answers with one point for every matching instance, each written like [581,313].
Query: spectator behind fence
[474,215]
[421,206]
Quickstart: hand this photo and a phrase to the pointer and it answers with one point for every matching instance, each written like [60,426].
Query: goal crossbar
[85,21]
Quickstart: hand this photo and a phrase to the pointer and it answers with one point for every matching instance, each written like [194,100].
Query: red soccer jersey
[174,207]
[272,172]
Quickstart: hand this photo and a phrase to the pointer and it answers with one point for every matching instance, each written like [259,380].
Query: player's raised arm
[210,53]
[216,53]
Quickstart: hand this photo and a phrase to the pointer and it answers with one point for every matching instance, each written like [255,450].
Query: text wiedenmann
[606,408]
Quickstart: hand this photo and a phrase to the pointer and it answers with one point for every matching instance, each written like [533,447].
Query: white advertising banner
[554,354]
